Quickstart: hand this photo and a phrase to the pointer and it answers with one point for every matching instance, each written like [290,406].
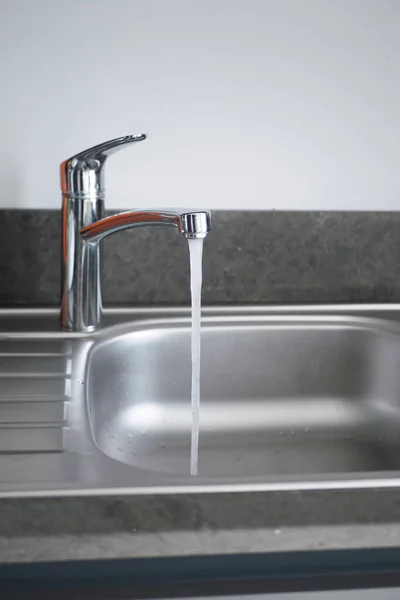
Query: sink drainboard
[35,383]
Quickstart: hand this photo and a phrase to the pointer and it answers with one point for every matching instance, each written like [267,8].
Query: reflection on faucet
[84,225]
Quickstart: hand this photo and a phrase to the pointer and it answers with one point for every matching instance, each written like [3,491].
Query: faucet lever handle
[101,151]
[82,175]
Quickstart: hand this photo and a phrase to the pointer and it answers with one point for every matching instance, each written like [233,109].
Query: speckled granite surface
[77,528]
[249,257]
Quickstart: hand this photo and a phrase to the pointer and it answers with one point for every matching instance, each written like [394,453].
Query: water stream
[196,255]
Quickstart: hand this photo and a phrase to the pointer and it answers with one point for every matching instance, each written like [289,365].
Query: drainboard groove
[55,355]
[36,365]
[43,385]
[19,347]
[32,411]
[31,438]
[29,425]
[13,375]
[34,398]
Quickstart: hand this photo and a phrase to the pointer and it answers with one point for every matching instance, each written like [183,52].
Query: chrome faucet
[84,225]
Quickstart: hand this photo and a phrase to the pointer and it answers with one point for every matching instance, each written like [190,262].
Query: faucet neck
[81,303]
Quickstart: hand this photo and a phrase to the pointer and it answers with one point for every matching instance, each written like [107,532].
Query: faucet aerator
[196,224]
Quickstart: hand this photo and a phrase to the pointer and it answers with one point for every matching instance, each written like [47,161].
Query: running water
[196,254]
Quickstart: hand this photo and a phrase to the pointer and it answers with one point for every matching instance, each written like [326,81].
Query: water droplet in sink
[306,430]
[281,433]
[143,432]
[130,436]
[293,432]
[119,449]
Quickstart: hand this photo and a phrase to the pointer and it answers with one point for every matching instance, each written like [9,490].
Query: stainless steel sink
[279,397]
[292,398]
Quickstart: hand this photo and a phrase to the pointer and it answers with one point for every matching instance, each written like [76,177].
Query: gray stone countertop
[49,529]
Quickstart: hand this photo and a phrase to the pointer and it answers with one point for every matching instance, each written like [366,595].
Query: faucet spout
[192,224]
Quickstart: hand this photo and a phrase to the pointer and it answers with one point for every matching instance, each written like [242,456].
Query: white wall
[286,104]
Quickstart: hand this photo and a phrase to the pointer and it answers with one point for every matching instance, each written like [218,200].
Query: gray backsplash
[249,257]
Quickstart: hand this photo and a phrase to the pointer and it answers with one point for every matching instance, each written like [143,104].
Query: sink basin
[292,398]
[279,397]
